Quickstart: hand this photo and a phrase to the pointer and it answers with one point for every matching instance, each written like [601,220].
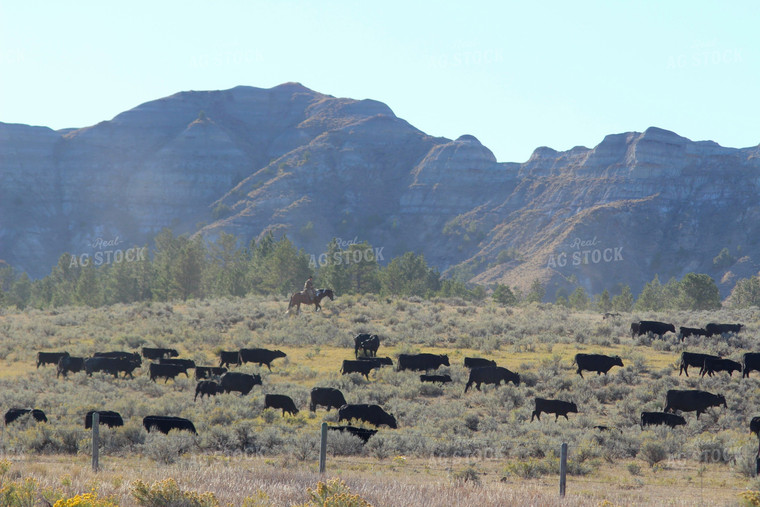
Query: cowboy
[308,289]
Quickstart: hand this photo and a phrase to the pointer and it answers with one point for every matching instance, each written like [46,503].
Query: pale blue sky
[517,75]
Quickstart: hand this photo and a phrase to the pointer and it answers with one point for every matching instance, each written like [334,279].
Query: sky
[517,75]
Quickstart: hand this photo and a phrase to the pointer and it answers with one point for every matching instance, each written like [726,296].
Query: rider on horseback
[308,289]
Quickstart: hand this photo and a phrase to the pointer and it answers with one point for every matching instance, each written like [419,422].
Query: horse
[300,297]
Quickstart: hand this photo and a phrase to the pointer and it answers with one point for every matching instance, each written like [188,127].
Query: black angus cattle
[369,343]
[165,371]
[659,418]
[692,400]
[478,362]
[327,397]
[158,352]
[372,414]
[634,329]
[364,433]
[185,363]
[260,356]
[556,407]
[120,354]
[14,413]
[754,426]
[491,375]
[750,362]
[654,327]
[44,358]
[228,357]
[108,417]
[202,372]
[280,401]
[379,361]
[165,424]
[206,387]
[713,365]
[240,382]
[596,362]
[718,329]
[355,366]
[422,362]
[112,365]
[69,364]
[442,379]
[685,332]
[695,359]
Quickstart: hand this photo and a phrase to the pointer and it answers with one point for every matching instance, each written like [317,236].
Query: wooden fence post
[95,440]
[562,469]
[323,448]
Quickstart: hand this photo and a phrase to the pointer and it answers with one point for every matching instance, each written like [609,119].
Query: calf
[280,401]
[659,418]
[713,365]
[442,379]
[363,433]
[685,332]
[556,407]
[206,387]
[108,417]
[596,362]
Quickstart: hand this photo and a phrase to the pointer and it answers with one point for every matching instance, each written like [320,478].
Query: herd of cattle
[212,380]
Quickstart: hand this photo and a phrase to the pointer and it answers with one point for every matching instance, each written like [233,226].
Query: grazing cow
[369,343]
[556,407]
[202,372]
[443,379]
[165,371]
[654,327]
[363,367]
[120,354]
[713,365]
[695,359]
[207,387]
[692,400]
[372,414]
[240,382]
[379,361]
[165,424]
[280,401]
[44,358]
[685,332]
[260,356]
[478,362]
[112,365]
[14,413]
[713,329]
[69,364]
[228,357]
[491,375]
[659,418]
[596,362]
[108,417]
[158,353]
[364,433]
[327,397]
[750,362]
[185,363]
[422,362]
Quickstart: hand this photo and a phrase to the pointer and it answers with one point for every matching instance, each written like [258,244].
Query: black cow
[112,365]
[713,329]
[240,382]
[491,375]
[120,354]
[158,353]
[695,359]
[379,361]
[327,397]
[422,362]
[372,414]
[280,401]
[14,413]
[634,329]
[363,367]
[478,362]
[754,426]
[692,400]
[228,357]
[654,327]
[206,387]
[165,371]
[685,332]
[108,417]
[69,364]
[443,379]
[369,343]
[44,358]
[750,362]
[556,407]
[185,363]
[364,433]
[165,424]
[713,365]
[659,418]
[260,356]
[202,372]
[596,362]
